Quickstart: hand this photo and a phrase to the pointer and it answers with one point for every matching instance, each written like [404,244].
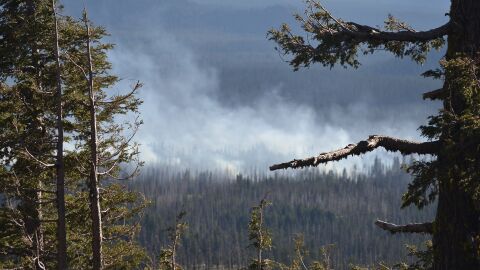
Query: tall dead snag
[452,178]
[96,214]
[60,166]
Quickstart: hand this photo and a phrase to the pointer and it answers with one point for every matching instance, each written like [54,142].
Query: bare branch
[77,65]
[130,176]
[408,228]
[390,144]
[120,98]
[107,171]
[435,94]
[123,146]
[28,154]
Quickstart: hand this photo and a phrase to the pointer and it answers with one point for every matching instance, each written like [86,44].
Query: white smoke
[185,125]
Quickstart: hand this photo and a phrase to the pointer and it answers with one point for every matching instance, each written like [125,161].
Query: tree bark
[408,228]
[456,225]
[60,181]
[95,212]
[457,220]
[374,141]
[260,239]
[36,208]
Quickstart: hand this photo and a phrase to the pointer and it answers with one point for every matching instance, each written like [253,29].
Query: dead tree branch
[31,156]
[408,228]
[390,144]
[435,94]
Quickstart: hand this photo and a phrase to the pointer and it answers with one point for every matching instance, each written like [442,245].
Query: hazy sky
[218,95]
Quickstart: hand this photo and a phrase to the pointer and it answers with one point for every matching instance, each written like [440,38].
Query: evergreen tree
[260,236]
[299,262]
[168,256]
[95,211]
[452,177]
[104,153]
[59,161]
[28,133]
[31,67]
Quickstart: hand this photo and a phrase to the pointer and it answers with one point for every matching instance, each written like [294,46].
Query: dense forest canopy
[327,208]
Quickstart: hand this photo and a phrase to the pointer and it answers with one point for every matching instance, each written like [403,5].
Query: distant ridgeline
[326,207]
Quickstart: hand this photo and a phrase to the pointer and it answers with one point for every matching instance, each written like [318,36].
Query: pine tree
[59,161]
[168,256]
[453,135]
[27,73]
[104,153]
[260,236]
[29,120]
[95,211]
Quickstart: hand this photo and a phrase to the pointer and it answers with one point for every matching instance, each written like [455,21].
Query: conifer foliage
[260,236]
[451,178]
[168,256]
[56,89]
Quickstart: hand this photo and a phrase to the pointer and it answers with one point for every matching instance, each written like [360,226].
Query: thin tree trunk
[457,227]
[174,251]
[37,232]
[60,181]
[94,193]
[260,240]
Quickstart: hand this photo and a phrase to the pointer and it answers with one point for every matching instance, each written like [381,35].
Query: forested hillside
[326,207]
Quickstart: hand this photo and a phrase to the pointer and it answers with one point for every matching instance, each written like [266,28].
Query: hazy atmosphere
[218,95]
[235,135]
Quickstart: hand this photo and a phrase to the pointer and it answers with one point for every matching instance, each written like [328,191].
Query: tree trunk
[60,181]
[455,229]
[457,222]
[260,240]
[174,251]
[34,226]
[95,212]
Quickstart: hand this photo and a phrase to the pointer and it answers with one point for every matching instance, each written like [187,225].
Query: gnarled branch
[408,228]
[390,144]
